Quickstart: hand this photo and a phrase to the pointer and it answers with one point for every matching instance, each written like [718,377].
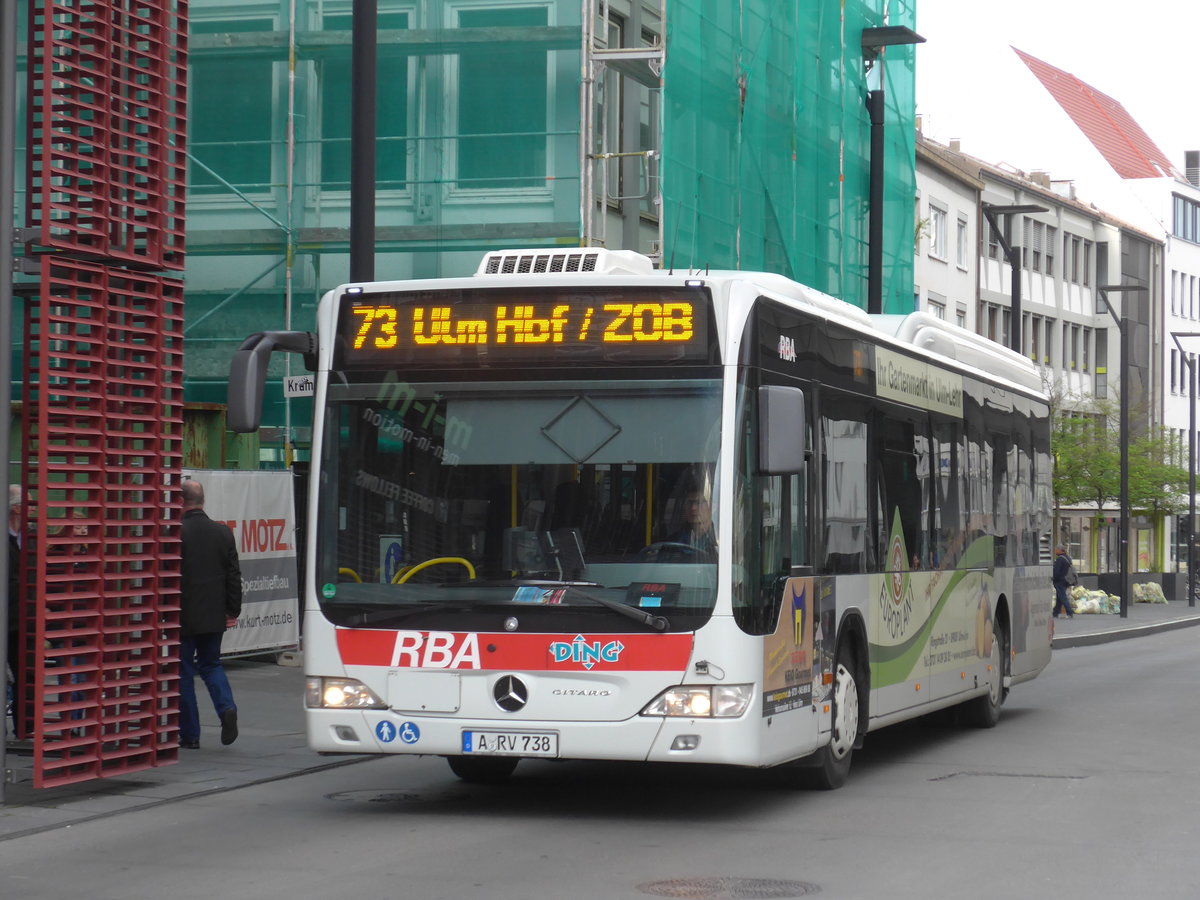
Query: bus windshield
[459,504]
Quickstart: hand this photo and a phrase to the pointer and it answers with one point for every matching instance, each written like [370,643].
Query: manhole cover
[721,888]
[374,796]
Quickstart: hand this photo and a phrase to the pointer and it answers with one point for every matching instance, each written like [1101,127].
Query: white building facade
[1065,254]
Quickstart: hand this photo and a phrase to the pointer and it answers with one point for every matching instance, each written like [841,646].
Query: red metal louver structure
[102,413]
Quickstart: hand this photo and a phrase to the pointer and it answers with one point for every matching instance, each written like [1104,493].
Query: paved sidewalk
[271,744]
[1142,619]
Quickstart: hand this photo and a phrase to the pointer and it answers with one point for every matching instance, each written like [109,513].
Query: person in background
[1059,578]
[211,601]
[15,691]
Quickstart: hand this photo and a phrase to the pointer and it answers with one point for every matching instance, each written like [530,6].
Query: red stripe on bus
[527,652]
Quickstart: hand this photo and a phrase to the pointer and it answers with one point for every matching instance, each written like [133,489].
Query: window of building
[1087,263]
[960,315]
[1087,349]
[936,307]
[230,102]
[502,144]
[391,109]
[937,232]
[961,243]
[1035,339]
[1051,243]
[1185,222]
[993,242]
[1039,235]
[1174,369]
[1074,355]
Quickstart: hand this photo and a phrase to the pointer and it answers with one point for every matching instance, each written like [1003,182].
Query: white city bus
[574,507]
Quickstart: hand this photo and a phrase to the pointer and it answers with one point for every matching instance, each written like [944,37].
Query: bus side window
[948,462]
[845,536]
[902,457]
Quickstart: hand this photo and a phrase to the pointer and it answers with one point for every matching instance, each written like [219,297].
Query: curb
[1120,634]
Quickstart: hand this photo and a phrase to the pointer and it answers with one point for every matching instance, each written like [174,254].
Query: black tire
[483,769]
[984,711]
[828,768]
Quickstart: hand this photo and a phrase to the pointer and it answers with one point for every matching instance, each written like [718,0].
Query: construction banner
[260,509]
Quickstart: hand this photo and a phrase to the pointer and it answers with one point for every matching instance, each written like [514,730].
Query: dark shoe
[189,745]
[229,730]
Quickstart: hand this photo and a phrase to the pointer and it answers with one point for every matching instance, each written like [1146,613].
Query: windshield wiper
[391,616]
[658,623]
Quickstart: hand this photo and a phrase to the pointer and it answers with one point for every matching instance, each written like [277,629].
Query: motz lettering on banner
[263,535]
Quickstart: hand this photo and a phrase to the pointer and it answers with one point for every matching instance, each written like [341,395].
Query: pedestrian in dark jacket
[1059,578]
[211,601]
[16,601]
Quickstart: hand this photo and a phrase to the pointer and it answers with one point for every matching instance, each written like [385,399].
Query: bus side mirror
[248,373]
[781,430]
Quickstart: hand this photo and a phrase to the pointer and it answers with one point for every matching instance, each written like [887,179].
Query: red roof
[1104,122]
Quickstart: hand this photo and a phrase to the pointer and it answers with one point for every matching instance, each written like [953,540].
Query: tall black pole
[8,131]
[1191,529]
[875,107]
[1014,265]
[1123,540]
[363,79]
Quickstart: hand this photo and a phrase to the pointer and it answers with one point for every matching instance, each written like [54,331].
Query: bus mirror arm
[248,373]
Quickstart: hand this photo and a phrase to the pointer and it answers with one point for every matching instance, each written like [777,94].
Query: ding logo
[584,653]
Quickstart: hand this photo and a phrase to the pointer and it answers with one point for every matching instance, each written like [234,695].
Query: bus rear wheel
[483,769]
[828,768]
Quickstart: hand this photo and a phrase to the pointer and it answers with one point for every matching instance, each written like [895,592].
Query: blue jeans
[200,654]
[1061,601]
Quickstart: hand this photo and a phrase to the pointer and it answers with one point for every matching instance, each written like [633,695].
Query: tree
[1087,461]
[1157,483]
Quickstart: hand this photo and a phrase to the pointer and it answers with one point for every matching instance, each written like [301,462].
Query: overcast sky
[973,87]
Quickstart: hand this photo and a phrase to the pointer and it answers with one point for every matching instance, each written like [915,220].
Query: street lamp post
[874,41]
[1013,255]
[1123,535]
[1191,529]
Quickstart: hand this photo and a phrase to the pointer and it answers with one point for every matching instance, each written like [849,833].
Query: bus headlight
[340,693]
[695,701]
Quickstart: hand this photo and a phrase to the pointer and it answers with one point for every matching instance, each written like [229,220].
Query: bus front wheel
[828,768]
[483,769]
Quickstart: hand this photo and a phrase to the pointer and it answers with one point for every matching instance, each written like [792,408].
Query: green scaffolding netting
[766,143]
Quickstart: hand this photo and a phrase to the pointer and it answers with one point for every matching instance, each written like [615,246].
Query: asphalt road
[1085,789]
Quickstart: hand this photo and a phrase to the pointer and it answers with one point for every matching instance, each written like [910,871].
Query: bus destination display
[518,327]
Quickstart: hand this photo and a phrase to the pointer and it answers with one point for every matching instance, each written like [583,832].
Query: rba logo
[435,650]
[584,653]
[787,348]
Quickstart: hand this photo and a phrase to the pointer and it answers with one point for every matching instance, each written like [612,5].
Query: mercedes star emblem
[510,693]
